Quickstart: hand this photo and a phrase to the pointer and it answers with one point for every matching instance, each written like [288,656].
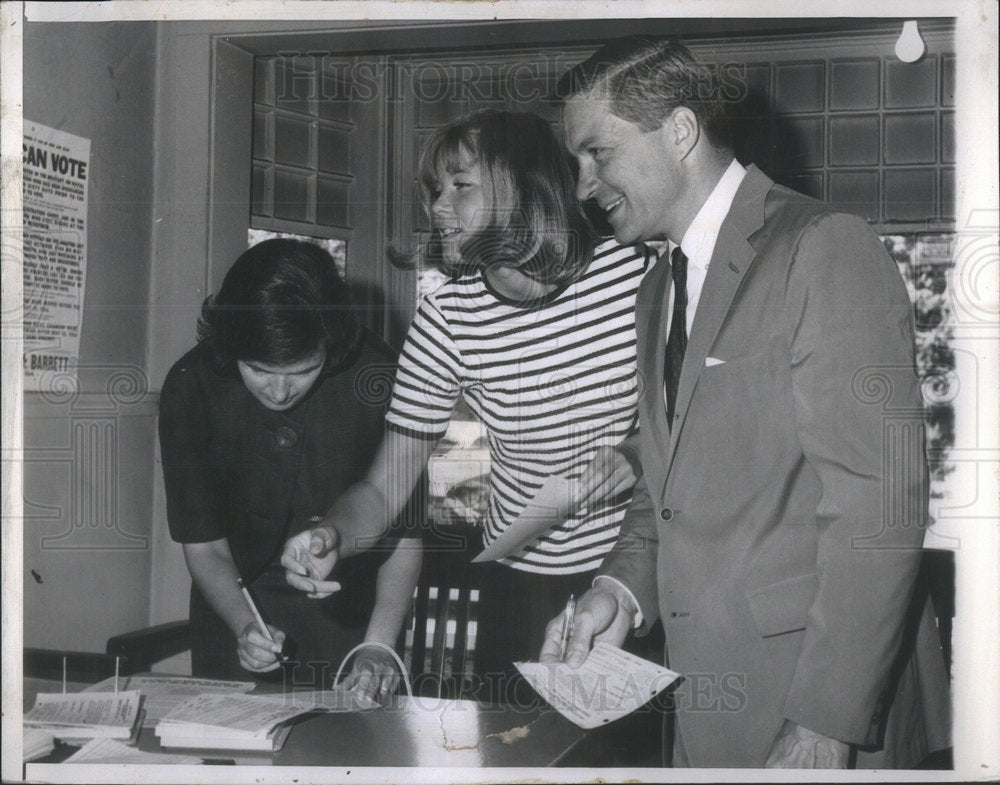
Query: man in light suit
[777,527]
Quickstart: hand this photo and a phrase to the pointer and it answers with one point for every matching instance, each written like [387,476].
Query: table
[412,732]
[432,732]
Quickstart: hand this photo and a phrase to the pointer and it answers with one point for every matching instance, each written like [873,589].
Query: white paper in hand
[549,507]
[610,684]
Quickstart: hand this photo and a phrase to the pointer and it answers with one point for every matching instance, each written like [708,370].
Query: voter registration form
[610,684]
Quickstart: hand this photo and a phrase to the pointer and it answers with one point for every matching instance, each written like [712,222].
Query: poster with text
[56,173]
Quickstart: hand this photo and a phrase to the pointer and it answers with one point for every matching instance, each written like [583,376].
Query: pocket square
[710,361]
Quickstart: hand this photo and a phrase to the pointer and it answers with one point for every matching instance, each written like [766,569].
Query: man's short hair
[644,79]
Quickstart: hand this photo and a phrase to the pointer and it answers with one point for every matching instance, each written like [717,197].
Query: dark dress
[236,470]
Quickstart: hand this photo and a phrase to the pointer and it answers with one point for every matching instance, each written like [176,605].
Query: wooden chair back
[441,662]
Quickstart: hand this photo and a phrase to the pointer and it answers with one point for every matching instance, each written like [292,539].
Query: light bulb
[910,46]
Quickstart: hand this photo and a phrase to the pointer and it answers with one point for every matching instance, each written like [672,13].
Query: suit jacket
[778,525]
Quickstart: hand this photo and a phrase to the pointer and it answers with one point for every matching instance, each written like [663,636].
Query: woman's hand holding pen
[256,652]
[309,557]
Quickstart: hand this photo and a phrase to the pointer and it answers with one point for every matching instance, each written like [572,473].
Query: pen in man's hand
[567,628]
[257,617]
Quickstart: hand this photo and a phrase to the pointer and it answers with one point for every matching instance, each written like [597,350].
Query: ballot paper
[548,508]
[162,693]
[238,722]
[333,700]
[81,715]
[111,751]
[610,684]
[248,713]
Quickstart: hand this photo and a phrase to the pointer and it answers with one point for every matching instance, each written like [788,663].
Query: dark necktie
[677,339]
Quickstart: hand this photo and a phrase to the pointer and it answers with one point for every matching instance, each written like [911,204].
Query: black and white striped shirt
[552,380]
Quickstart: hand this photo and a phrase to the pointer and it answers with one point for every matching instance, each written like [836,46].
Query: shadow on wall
[761,136]
[378,314]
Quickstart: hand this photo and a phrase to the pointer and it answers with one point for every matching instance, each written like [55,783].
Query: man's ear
[684,131]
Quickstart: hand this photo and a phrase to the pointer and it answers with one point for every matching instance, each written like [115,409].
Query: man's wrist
[626,600]
[808,734]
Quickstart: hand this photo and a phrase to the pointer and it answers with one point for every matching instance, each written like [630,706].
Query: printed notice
[56,169]
[610,684]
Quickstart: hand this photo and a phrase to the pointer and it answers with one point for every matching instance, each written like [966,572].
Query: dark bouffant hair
[280,303]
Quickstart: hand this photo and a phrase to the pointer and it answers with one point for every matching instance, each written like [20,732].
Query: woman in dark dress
[262,425]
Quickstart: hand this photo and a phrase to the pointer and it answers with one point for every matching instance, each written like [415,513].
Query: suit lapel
[731,259]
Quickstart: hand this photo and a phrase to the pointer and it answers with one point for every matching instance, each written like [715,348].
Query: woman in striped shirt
[536,329]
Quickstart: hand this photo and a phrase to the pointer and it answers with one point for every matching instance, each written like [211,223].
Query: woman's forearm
[397,578]
[214,572]
[366,511]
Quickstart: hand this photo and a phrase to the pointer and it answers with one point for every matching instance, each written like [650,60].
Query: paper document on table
[162,693]
[610,684]
[249,713]
[334,700]
[549,507]
[111,751]
[35,743]
[86,713]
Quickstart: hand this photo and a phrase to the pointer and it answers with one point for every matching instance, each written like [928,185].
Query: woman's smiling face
[458,206]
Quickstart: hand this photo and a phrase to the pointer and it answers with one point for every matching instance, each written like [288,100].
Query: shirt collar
[699,240]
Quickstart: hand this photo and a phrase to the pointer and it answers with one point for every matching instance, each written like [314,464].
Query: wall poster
[56,173]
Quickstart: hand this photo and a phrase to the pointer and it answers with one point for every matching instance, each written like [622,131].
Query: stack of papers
[232,722]
[161,694]
[36,743]
[86,715]
[111,751]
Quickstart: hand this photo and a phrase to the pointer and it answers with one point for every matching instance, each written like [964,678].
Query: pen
[256,616]
[567,628]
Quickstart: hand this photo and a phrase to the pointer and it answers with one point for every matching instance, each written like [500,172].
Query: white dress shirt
[698,245]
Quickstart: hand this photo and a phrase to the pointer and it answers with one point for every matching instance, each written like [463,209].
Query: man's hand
[608,474]
[308,558]
[800,748]
[374,674]
[255,651]
[604,613]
